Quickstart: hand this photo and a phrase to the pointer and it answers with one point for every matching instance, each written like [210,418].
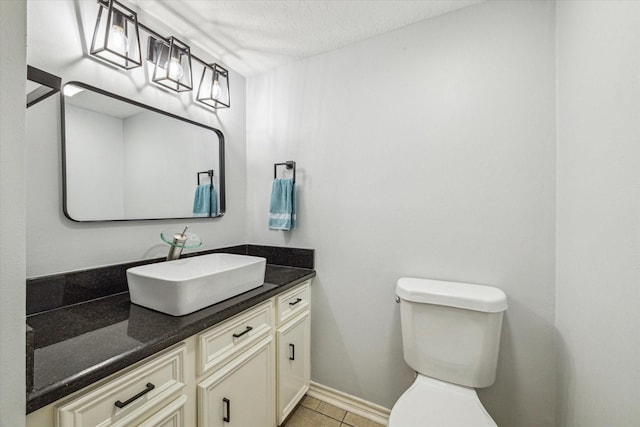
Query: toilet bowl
[450,337]
[433,403]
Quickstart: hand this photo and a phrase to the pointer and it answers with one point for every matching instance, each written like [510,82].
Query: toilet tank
[451,330]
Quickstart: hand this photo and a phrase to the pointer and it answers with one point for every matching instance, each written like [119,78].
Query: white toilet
[450,336]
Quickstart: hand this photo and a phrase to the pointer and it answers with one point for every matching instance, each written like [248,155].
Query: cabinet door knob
[147,389]
[292,352]
[246,331]
[226,403]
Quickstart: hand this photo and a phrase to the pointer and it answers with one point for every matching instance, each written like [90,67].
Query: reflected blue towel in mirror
[205,201]
[282,209]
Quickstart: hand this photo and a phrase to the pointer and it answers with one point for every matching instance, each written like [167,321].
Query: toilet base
[433,403]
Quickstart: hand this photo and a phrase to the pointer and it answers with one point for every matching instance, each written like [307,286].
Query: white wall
[598,217]
[428,152]
[58,38]
[12,208]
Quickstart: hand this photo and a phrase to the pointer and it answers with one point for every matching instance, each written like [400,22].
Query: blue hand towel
[213,206]
[205,201]
[282,209]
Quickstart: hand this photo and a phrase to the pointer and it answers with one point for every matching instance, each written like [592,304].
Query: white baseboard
[350,403]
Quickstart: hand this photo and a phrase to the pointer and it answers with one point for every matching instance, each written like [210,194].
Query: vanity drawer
[222,342]
[294,302]
[129,398]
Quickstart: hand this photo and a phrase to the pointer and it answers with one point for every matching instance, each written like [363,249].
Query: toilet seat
[433,403]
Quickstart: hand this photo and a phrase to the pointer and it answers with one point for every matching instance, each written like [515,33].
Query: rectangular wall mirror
[124,160]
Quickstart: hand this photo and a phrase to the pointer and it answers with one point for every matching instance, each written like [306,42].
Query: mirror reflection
[127,161]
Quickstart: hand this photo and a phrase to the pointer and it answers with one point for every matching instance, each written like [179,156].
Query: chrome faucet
[175,248]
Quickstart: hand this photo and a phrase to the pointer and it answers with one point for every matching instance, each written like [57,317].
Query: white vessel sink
[186,285]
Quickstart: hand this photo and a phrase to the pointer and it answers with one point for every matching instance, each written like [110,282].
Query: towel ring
[290,164]
[209,173]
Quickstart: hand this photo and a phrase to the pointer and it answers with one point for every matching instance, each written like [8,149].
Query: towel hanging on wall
[205,201]
[282,209]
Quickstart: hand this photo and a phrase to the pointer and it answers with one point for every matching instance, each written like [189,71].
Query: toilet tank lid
[453,294]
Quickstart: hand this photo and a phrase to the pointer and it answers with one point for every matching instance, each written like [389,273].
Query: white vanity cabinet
[172,415]
[242,392]
[248,371]
[149,395]
[236,386]
[293,339]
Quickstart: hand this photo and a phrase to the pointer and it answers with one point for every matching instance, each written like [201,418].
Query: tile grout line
[316,408]
[329,416]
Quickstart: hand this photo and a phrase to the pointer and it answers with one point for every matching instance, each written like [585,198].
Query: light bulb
[118,41]
[174,69]
[216,90]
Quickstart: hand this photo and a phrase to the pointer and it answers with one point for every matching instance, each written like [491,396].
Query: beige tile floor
[312,412]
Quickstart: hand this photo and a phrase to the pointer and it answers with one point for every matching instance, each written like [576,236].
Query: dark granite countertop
[83,343]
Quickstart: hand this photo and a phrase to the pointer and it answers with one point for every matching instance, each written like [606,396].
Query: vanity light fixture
[116,40]
[116,37]
[214,87]
[172,63]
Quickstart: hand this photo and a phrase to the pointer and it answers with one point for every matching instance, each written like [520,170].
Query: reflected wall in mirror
[124,160]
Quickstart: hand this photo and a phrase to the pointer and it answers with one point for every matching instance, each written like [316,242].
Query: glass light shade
[116,36]
[172,64]
[214,87]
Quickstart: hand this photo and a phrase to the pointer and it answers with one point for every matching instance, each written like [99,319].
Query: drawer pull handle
[292,352]
[121,405]
[227,408]
[296,301]
[246,331]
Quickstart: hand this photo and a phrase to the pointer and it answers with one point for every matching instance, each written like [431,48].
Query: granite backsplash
[65,289]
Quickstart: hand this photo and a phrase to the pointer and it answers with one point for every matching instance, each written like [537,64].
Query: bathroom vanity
[244,361]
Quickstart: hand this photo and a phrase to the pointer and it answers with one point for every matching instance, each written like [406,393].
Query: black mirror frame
[221,154]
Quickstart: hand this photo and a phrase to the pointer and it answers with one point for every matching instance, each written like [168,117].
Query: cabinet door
[294,363]
[171,415]
[241,393]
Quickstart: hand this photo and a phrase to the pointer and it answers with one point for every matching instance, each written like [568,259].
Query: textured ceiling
[254,36]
